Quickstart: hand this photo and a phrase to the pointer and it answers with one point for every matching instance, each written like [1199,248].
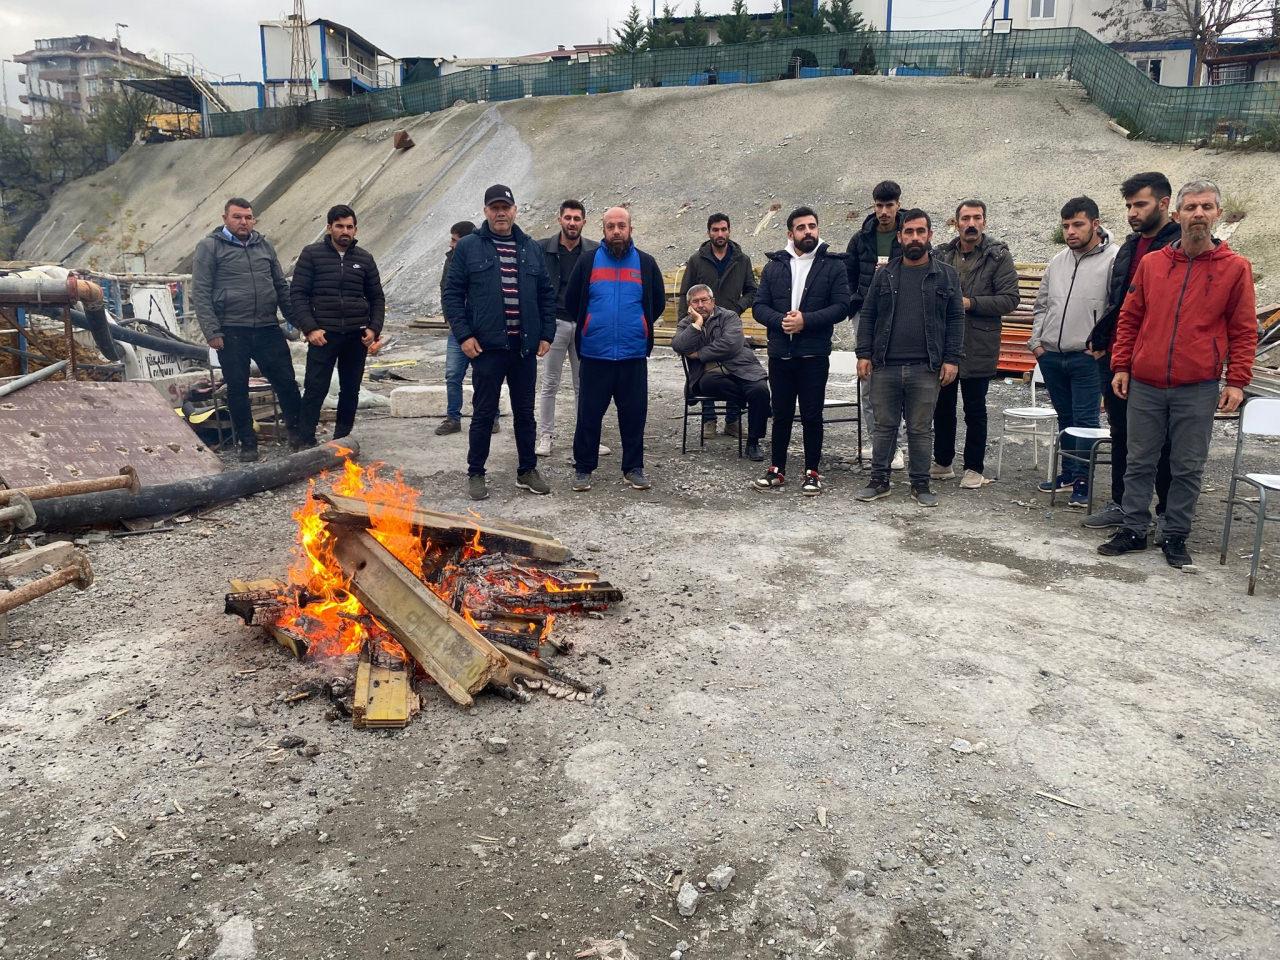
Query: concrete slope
[675,155]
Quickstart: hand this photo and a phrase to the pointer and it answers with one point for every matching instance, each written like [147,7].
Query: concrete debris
[687,899]
[720,878]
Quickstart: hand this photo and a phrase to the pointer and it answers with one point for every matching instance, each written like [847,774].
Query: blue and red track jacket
[615,301]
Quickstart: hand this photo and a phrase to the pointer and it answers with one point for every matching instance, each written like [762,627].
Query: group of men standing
[335,299]
[1144,327]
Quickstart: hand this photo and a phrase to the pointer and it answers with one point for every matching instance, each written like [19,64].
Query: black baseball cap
[498,192]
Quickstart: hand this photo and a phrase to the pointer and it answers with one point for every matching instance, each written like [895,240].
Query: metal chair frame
[1259,417]
[1032,416]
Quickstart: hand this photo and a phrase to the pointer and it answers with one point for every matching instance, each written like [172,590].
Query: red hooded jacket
[1183,318]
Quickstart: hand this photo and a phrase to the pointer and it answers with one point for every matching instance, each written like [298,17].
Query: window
[1150,67]
[1156,6]
[1043,9]
[1229,73]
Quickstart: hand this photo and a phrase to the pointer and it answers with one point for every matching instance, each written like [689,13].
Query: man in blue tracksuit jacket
[615,296]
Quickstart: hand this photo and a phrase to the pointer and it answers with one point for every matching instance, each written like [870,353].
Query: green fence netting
[1150,111]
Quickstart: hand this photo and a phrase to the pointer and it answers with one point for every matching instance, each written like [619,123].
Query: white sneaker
[899,460]
[939,472]
[543,447]
[973,480]
[605,450]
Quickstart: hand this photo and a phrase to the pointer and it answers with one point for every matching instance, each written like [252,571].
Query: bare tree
[1204,22]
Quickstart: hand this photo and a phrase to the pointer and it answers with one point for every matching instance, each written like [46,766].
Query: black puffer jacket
[861,259]
[824,303]
[1104,331]
[336,293]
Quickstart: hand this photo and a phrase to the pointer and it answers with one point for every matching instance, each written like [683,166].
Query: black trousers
[488,370]
[1118,418]
[973,390]
[267,347]
[626,384]
[753,394]
[802,379]
[732,413]
[347,353]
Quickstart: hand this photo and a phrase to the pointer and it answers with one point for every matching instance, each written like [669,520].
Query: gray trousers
[1185,414]
[904,393]
[551,372]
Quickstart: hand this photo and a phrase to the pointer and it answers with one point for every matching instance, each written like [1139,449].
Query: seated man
[721,365]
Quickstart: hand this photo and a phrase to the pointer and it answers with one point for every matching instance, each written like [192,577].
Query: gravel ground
[789,683]
[675,155]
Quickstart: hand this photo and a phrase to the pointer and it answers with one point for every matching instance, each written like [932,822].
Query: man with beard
[1146,200]
[338,306]
[1189,310]
[804,293]
[561,254]
[721,265]
[873,246]
[910,343]
[989,287]
[1072,298]
[615,296]
[237,287]
[501,307]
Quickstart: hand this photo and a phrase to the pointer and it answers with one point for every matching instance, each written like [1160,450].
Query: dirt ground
[777,661]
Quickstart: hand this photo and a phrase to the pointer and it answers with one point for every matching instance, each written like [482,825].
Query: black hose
[170,498]
[96,319]
[176,347]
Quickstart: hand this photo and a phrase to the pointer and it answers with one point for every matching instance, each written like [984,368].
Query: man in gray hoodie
[1073,295]
[237,290]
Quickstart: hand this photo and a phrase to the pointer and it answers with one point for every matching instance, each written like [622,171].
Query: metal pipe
[183,495]
[13,386]
[79,573]
[127,479]
[42,289]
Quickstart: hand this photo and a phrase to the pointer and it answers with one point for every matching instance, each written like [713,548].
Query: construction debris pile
[400,591]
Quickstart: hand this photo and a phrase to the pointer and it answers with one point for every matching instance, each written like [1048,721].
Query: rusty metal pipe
[79,573]
[19,512]
[126,480]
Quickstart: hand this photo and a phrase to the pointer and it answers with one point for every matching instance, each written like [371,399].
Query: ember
[469,600]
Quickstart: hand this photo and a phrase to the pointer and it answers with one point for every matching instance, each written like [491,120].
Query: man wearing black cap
[501,306]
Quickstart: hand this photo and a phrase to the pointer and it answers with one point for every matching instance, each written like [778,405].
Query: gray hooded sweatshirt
[1073,295]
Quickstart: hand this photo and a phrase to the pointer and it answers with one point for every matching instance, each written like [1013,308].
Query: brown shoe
[732,428]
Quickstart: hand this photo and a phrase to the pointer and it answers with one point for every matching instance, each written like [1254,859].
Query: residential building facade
[319,61]
[71,73]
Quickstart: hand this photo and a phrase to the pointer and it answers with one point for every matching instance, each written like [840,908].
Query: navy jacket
[862,259]
[943,323]
[473,293]
[1104,331]
[616,303]
[336,293]
[824,304]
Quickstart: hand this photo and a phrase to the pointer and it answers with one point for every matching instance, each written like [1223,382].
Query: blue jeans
[455,371]
[1076,391]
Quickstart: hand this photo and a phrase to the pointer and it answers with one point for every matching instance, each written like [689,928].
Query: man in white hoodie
[1073,295]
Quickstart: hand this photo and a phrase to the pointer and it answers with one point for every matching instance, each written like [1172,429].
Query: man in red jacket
[1190,309]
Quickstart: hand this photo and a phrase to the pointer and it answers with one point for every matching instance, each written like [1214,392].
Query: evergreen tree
[805,20]
[662,32]
[737,25]
[632,35]
[841,16]
[693,33]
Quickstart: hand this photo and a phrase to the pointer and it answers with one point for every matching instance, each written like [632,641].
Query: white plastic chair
[1259,417]
[1027,421]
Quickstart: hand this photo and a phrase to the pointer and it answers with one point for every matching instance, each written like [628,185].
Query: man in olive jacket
[989,285]
[237,288]
[721,265]
[338,302]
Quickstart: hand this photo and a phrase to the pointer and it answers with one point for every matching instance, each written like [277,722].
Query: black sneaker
[754,452]
[812,485]
[477,487]
[581,481]
[772,479]
[872,491]
[495,426]
[1175,551]
[448,425]
[532,481]
[1063,482]
[249,454]
[924,496]
[1122,541]
[637,479]
[301,443]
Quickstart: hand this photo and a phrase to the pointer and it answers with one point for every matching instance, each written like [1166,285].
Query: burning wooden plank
[449,529]
[384,697]
[260,603]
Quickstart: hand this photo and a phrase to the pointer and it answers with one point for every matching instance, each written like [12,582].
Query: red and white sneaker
[772,479]
[812,483]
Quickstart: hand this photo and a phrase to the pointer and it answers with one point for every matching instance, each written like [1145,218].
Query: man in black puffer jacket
[804,293]
[338,305]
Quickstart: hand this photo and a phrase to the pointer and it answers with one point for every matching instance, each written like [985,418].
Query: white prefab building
[318,61]
[1170,62]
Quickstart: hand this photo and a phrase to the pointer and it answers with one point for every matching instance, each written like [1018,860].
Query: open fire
[366,550]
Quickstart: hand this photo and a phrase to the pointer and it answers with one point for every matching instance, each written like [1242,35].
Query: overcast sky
[223,36]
